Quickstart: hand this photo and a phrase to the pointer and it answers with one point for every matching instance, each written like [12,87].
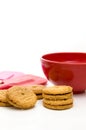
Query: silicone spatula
[24,80]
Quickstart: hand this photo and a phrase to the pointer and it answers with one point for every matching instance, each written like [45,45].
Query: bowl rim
[62,62]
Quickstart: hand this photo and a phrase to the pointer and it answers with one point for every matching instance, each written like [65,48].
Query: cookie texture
[3,99]
[21,97]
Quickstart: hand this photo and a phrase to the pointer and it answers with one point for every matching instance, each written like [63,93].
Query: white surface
[41,118]
[28,29]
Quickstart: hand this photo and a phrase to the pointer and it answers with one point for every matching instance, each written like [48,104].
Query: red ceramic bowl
[66,68]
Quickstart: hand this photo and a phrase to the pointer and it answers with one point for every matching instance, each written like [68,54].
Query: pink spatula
[23,80]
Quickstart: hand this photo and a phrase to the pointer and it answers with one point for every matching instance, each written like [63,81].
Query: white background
[29,29]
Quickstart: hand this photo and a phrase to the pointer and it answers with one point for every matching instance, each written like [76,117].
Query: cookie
[63,107]
[21,97]
[57,90]
[57,96]
[37,89]
[58,102]
[3,99]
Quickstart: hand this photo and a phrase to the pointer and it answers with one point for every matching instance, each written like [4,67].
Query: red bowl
[66,68]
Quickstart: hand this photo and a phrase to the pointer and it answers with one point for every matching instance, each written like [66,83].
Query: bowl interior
[69,57]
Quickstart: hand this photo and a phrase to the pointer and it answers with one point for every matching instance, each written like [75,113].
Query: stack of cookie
[58,97]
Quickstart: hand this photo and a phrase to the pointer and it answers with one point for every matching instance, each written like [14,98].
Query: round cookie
[57,96]
[3,99]
[58,102]
[37,89]
[59,107]
[62,89]
[21,97]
